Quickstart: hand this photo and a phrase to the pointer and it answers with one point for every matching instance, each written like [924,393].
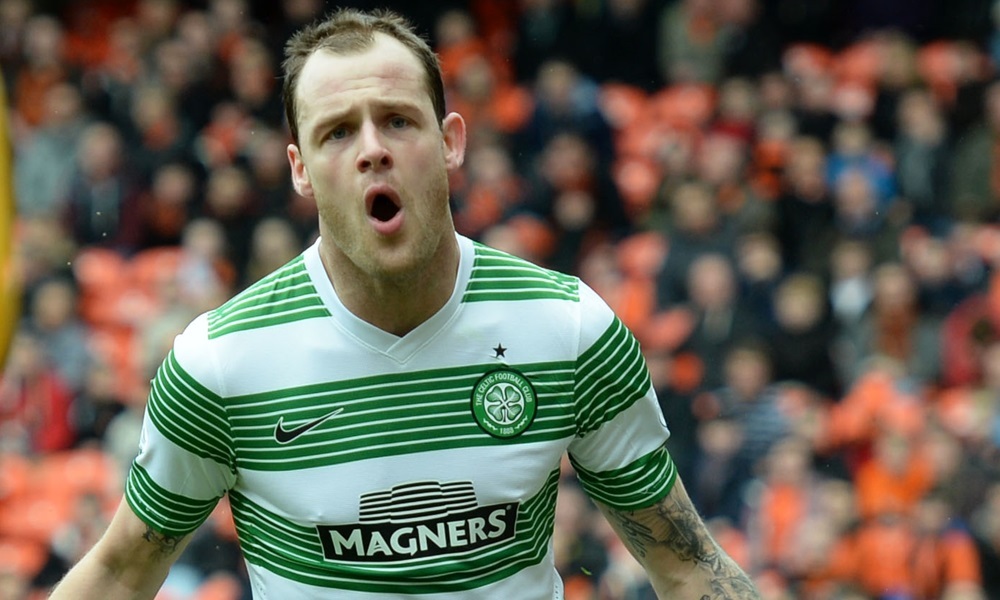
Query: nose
[373,154]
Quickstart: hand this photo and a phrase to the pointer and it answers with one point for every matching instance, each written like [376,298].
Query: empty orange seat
[102,276]
[15,475]
[622,104]
[35,517]
[807,60]
[637,180]
[220,586]
[117,347]
[860,63]
[85,470]
[684,104]
[23,557]
[155,269]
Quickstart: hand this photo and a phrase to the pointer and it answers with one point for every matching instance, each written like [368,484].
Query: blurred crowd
[792,203]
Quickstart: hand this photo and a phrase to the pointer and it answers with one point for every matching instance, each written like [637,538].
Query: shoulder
[554,299]
[500,276]
[287,294]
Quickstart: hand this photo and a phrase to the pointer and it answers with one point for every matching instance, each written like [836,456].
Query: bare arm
[681,559]
[130,562]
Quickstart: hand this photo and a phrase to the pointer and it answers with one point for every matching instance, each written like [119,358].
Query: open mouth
[383,208]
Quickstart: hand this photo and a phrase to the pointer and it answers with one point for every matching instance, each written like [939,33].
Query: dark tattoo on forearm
[165,544]
[635,535]
[679,529]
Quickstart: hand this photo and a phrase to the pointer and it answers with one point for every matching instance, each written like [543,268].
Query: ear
[453,128]
[300,176]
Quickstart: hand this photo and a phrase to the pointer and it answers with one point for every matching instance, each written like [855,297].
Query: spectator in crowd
[745,420]
[696,227]
[921,152]
[621,36]
[853,150]
[576,198]
[43,66]
[44,166]
[492,189]
[721,318]
[103,200]
[169,204]
[802,338]
[566,102]
[722,163]
[858,215]
[974,195]
[752,43]
[53,317]
[35,402]
[851,287]
[691,43]
[157,132]
[895,327]
[760,269]
[805,208]
[987,536]
[230,201]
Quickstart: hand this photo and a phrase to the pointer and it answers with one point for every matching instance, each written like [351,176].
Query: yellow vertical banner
[9,286]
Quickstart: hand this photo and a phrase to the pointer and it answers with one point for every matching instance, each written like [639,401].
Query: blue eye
[338,133]
[398,122]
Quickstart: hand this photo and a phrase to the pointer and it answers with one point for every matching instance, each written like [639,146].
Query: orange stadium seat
[805,59]
[15,475]
[35,517]
[220,586]
[85,470]
[117,347]
[860,63]
[688,104]
[637,180]
[103,277]
[153,268]
[23,557]
[622,104]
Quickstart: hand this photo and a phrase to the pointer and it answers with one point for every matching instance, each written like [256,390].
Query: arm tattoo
[679,530]
[165,545]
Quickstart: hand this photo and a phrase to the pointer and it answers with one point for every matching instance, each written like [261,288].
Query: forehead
[386,69]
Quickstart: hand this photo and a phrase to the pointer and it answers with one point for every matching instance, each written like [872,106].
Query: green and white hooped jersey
[364,465]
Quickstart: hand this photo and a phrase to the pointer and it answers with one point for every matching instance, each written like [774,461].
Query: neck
[396,304]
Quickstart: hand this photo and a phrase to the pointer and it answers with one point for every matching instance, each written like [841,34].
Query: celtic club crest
[504,403]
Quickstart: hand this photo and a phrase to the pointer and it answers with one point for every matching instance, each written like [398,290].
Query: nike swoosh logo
[283,436]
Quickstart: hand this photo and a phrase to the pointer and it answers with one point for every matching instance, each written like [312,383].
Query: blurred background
[792,203]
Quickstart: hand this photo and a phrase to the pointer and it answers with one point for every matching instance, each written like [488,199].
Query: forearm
[93,579]
[129,562]
[679,555]
[710,575]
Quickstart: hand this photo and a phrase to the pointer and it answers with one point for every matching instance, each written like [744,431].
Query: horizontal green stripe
[278,460]
[497,276]
[372,425]
[516,296]
[611,376]
[637,485]
[284,296]
[164,511]
[270,320]
[401,383]
[188,414]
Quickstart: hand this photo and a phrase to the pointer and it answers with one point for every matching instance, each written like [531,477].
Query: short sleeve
[619,452]
[185,462]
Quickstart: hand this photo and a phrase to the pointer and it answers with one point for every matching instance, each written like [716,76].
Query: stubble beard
[362,257]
